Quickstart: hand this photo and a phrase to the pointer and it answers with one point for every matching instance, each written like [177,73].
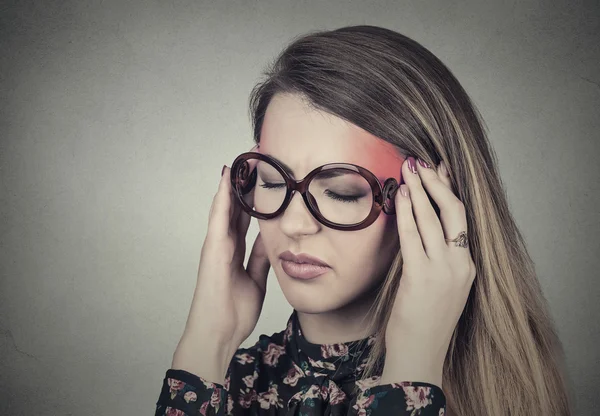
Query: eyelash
[332,195]
[349,199]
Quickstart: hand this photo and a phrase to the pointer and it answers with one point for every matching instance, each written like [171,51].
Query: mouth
[302,266]
[303,270]
[302,258]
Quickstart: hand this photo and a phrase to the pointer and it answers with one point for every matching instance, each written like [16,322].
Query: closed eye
[343,198]
[268,185]
[330,194]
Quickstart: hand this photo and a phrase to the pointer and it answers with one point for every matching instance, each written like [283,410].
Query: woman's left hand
[436,278]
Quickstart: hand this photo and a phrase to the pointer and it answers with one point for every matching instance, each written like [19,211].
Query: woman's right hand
[228,298]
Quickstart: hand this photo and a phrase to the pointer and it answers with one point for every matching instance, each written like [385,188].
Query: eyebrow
[324,174]
[279,161]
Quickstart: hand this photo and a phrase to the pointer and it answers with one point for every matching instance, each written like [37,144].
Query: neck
[348,323]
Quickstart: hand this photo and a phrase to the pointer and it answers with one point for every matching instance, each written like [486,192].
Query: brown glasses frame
[383,195]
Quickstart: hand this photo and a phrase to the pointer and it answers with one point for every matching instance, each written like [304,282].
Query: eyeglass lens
[341,195]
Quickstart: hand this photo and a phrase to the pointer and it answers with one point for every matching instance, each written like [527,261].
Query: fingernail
[411,164]
[223,170]
[423,163]
[404,190]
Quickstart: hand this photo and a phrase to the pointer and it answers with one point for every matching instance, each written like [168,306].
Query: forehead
[304,138]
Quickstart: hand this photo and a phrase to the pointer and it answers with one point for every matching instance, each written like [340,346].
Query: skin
[331,307]
[437,274]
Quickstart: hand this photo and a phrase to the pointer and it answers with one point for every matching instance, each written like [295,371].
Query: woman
[420,299]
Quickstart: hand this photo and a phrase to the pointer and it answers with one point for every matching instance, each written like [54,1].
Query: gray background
[115,121]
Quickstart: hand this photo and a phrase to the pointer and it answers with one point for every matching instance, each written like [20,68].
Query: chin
[311,300]
[313,309]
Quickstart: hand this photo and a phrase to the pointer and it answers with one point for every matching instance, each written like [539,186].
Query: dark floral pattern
[284,374]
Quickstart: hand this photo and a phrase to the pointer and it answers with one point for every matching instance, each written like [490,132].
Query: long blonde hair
[505,357]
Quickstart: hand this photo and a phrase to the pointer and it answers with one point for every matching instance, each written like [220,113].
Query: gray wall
[115,121]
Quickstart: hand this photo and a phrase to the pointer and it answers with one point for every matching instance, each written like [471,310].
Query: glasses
[341,196]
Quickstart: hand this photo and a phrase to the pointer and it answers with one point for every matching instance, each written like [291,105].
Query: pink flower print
[363,402]
[417,397]
[336,395]
[295,398]
[229,404]
[244,358]
[324,391]
[293,375]
[271,356]
[288,332]
[371,340]
[321,364]
[203,408]
[313,392]
[361,367]
[401,384]
[215,399]
[175,386]
[246,398]
[226,382]
[442,412]
[368,382]
[270,398]
[190,396]
[334,350]
[249,379]
[208,384]
[174,412]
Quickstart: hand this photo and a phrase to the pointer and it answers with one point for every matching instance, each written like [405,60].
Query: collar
[341,362]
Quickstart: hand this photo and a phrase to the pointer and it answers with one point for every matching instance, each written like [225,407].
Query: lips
[305,271]
[302,258]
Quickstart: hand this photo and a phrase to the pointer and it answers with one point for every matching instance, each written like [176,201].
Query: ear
[390,188]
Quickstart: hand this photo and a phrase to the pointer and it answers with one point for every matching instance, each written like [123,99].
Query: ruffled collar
[342,362]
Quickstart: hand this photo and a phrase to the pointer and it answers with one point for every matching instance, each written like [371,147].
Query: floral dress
[284,374]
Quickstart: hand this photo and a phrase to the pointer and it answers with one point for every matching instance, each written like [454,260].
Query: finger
[454,219]
[234,208]
[212,204]
[428,223]
[242,218]
[241,228]
[219,216]
[411,245]
[258,263]
[442,173]
[437,184]
[238,232]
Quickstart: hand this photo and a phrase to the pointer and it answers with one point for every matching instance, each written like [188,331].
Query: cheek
[269,232]
[361,248]
[379,244]
[387,226]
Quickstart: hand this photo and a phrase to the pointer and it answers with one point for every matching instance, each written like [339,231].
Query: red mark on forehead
[385,162]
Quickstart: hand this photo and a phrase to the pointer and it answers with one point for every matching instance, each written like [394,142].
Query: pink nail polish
[411,164]
[423,163]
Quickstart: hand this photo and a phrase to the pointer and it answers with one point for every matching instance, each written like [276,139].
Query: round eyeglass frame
[383,196]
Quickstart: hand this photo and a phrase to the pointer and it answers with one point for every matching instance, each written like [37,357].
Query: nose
[297,220]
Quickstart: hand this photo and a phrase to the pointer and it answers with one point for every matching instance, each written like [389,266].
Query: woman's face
[303,139]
